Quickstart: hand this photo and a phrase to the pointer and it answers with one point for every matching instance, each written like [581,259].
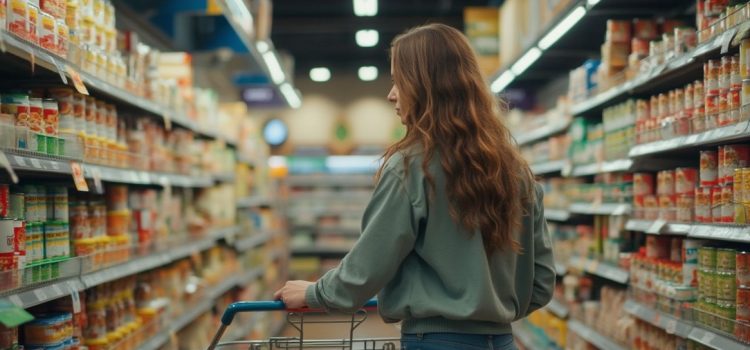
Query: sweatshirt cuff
[311,297]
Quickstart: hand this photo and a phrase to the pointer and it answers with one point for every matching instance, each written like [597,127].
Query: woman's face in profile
[393,97]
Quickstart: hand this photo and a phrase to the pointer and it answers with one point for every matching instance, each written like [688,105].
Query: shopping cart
[297,319]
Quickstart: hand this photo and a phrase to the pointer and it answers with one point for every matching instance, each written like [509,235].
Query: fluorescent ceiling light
[238,10]
[365,8]
[368,73]
[592,2]
[290,95]
[502,81]
[262,46]
[320,74]
[274,68]
[367,37]
[526,61]
[561,28]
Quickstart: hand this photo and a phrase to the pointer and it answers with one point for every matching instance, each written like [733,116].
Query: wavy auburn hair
[448,108]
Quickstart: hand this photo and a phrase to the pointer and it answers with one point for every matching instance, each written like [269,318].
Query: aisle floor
[373,327]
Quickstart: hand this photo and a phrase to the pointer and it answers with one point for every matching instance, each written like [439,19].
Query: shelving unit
[554,166]
[593,336]
[556,214]
[601,269]
[619,165]
[543,132]
[600,209]
[727,232]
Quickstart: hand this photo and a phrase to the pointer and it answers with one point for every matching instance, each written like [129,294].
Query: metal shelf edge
[593,336]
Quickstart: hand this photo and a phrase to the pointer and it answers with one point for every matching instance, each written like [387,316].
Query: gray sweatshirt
[429,271]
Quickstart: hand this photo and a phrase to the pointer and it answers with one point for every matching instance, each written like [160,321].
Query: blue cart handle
[267,305]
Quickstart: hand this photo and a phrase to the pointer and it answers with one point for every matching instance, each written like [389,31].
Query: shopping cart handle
[268,305]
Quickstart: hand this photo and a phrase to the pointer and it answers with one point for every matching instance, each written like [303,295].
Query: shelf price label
[78,179]
[77,80]
[6,164]
[75,297]
[96,174]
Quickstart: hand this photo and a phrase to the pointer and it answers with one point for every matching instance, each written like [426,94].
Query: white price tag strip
[656,227]
[97,175]
[74,296]
[36,163]
[40,295]
[726,40]
[15,299]
[6,164]
[60,67]
[57,290]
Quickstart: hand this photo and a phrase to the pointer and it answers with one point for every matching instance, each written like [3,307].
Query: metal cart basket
[297,319]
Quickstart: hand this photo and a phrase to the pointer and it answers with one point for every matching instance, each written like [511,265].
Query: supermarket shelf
[601,269]
[560,268]
[601,168]
[657,227]
[558,308]
[253,241]
[733,233]
[593,337]
[44,293]
[643,81]
[659,319]
[108,174]
[331,180]
[58,65]
[556,214]
[715,340]
[600,209]
[190,315]
[254,201]
[542,133]
[550,167]
[48,165]
[28,297]
[328,251]
[728,133]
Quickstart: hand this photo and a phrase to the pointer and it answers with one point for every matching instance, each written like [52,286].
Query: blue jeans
[454,341]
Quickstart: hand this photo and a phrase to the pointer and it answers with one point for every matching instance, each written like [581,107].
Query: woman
[454,238]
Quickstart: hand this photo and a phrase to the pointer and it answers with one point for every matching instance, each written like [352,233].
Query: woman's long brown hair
[448,108]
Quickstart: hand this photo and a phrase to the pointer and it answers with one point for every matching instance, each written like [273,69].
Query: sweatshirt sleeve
[389,230]
[544,262]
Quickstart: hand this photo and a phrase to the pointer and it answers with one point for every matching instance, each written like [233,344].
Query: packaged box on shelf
[482,29]
[514,18]
[615,56]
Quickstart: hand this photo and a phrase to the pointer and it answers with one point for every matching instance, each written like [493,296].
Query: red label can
[4,200]
[7,236]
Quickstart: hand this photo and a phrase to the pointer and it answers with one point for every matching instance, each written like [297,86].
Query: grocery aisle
[135,202]
[643,154]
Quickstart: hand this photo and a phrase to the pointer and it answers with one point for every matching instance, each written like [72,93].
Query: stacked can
[12,237]
[744,63]
[742,329]
[717,288]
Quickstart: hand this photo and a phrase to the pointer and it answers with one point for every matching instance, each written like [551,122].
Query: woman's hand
[293,294]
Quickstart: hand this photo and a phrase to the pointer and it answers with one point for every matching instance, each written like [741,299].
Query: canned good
[59,196]
[735,156]
[17,207]
[727,207]
[716,204]
[745,185]
[733,106]
[725,259]
[62,38]
[51,116]
[17,17]
[32,22]
[79,112]
[743,304]
[744,47]
[703,204]
[17,105]
[708,168]
[707,258]
[7,236]
[79,221]
[707,284]
[685,180]
[711,73]
[726,312]
[726,286]
[47,32]
[19,236]
[685,205]
[4,200]
[64,98]
[36,109]
[91,128]
[742,262]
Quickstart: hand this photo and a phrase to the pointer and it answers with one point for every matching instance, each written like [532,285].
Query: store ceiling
[322,33]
